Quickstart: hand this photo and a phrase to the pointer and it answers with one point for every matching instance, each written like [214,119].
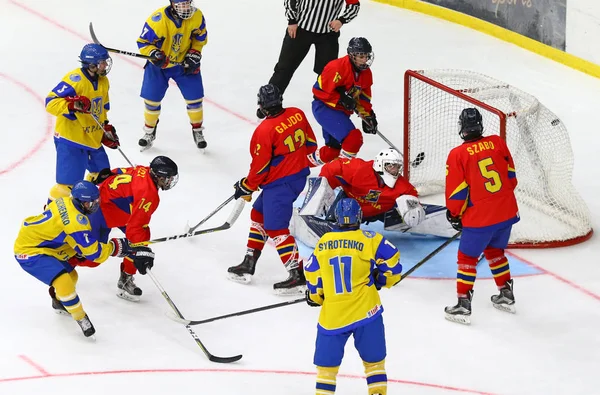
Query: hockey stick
[239,313]
[211,357]
[119,51]
[119,148]
[420,156]
[189,230]
[291,302]
[237,210]
[431,255]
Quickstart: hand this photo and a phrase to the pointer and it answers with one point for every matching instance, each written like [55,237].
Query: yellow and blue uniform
[45,243]
[77,136]
[174,36]
[340,276]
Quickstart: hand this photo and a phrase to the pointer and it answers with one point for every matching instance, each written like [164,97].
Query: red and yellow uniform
[338,74]
[279,148]
[359,181]
[127,200]
[480,184]
[481,174]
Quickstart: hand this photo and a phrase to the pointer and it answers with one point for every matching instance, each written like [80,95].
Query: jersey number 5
[342,273]
[494,184]
[299,138]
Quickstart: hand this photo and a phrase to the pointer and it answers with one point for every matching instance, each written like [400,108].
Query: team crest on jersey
[75,77]
[96,108]
[157,17]
[81,219]
[177,42]
[372,196]
[368,234]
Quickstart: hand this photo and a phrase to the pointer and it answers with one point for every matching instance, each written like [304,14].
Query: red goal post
[552,213]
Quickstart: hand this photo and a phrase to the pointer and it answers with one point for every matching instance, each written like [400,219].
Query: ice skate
[295,283]
[87,327]
[243,272]
[461,312]
[197,130]
[127,289]
[147,140]
[505,300]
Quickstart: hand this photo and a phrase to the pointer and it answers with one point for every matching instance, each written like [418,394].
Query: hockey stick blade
[237,314]
[209,355]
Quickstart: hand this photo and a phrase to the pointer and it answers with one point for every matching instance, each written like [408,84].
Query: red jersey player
[377,186]
[279,148]
[128,198]
[344,87]
[480,184]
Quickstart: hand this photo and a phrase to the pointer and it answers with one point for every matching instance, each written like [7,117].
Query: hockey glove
[375,273]
[346,100]
[110,138]
[143,259]
[159,59]
[454,221]
[309,301]
[78,103]
[102,176]
[369,124]
[242,190]
[121,247]
[191,62]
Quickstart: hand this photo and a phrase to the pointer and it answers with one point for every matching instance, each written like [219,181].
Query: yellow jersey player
[47,241]
[81,96]
[174,37]
[343,275]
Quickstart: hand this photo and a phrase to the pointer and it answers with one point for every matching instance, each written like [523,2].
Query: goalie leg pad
[309,229]
[319,197]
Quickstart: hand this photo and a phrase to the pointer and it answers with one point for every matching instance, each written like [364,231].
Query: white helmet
[388,164]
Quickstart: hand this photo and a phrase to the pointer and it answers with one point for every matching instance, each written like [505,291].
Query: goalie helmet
[164,172]
[388,164]
[348,213]
[360,53]
[95,58]
[183,8]
[471,126]
[270,99]
[85,197]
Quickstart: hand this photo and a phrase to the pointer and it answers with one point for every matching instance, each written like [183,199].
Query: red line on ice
[209,370]
[42,140]
[125,58]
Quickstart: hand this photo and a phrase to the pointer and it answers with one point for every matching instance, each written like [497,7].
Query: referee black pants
[294,50]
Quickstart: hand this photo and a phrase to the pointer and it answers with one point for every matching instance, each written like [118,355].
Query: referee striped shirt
[315,15]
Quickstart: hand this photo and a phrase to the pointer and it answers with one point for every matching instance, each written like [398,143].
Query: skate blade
[509,308]
[459,319]
[142,149]
[243,279]
[300,290]
[128,297]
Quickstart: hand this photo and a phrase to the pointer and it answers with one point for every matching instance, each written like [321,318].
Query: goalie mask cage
[552,213]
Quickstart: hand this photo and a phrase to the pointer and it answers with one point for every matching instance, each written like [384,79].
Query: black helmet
[360,46]
[270,99]
[164,172]
[470,122]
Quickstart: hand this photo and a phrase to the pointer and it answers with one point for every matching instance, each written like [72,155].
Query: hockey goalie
[383,194]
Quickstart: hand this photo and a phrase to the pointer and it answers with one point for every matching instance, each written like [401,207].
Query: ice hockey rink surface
[551,346]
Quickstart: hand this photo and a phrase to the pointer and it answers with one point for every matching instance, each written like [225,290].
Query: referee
[311,22]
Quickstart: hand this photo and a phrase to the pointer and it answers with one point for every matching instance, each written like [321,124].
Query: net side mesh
[552,213]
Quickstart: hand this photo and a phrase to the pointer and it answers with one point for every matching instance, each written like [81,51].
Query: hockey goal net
[552,213]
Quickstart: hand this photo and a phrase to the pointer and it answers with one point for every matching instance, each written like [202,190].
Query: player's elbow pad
[410,210]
